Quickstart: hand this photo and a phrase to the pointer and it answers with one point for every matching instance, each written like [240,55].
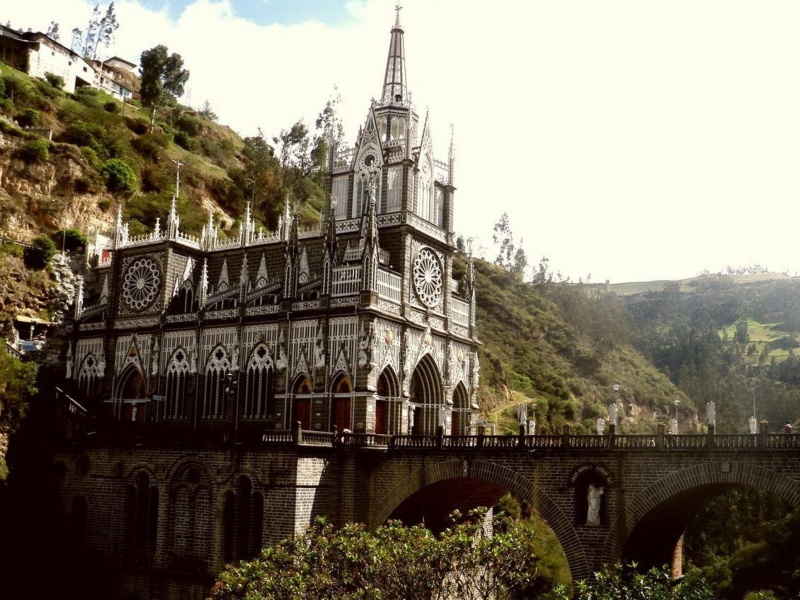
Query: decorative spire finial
[397,8]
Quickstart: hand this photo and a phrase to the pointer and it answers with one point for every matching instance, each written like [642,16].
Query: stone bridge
[651,487]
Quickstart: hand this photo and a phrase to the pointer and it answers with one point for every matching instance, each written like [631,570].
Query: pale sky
[627,140]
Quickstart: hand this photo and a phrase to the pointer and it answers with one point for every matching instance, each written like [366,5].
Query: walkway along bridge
[651,487]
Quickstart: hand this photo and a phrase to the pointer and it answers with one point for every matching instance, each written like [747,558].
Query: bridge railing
[565,441]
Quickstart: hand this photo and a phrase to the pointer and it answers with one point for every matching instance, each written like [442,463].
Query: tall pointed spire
[394,82]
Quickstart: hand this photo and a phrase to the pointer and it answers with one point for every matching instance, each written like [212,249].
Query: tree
[391,562]
[119,176]
[504,241]
[17,385]
[53,32]
[512,258]
[163,78]
[207,112]
[99,31]
[39,254]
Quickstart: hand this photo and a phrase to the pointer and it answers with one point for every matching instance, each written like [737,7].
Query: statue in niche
[319,355]
[235,357]
[593,496]
[192,360]
[281,363]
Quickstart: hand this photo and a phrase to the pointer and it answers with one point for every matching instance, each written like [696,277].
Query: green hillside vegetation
[563,347]
[122,162]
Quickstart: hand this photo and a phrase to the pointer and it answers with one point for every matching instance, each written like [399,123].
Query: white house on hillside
[37,54]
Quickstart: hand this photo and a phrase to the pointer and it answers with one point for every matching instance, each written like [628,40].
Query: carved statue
[593,496]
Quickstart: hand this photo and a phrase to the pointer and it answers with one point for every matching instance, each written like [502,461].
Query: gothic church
[196,353]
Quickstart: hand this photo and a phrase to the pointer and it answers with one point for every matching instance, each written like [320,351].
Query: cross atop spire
[394,82]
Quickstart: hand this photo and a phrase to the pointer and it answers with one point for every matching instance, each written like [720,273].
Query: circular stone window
[141,283]
[428,277]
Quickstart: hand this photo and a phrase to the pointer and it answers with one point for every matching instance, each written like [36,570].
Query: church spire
[394,82]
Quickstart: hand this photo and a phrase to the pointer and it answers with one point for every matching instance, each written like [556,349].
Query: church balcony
[389,286]
[460,312]
[346,280]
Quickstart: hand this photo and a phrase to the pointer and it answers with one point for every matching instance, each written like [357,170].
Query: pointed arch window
[89,377]
[141,513]
[243,521]
[260,385]
[394,194]
[189,512]
[215,394]
[340,191]
[178,380]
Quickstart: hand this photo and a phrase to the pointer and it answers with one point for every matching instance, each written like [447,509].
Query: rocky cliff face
[38,198]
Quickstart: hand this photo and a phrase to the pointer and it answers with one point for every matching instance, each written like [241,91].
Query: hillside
[560,347]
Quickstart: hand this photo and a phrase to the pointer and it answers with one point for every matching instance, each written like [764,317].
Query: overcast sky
[628,140]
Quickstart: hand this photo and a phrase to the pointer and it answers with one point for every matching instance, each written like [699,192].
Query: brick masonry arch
[716,474]
[499,475]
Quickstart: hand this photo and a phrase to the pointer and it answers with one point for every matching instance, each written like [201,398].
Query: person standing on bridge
[593,495]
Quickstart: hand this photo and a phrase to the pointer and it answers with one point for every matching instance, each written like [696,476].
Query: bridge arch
[501,477]
[661,512]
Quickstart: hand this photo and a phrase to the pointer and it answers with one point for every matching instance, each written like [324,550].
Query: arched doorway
[132,391]
[460,421]
[387,403]
[341,403]
[427,397]
[302,402]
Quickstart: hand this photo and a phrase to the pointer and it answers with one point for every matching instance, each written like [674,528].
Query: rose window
[140,284]
[428,277]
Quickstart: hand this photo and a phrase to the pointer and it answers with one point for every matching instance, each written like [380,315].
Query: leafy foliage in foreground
[17,385]
[391,563]
[624,581]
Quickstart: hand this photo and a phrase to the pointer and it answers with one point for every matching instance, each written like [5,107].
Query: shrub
[29,118]
[136,125]
[184,141]
[81,134]
[39,254]
[119,176]
[35,151]
[150,145]
[2,87]
[11,249]
[72,238]
[55,80]
[88,97]
[91,156]
[188,124]
[5,106]
[84,185]
[111,106]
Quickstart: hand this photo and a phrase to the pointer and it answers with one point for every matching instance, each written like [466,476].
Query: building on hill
[186,350]
[37,54]
[115,77]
